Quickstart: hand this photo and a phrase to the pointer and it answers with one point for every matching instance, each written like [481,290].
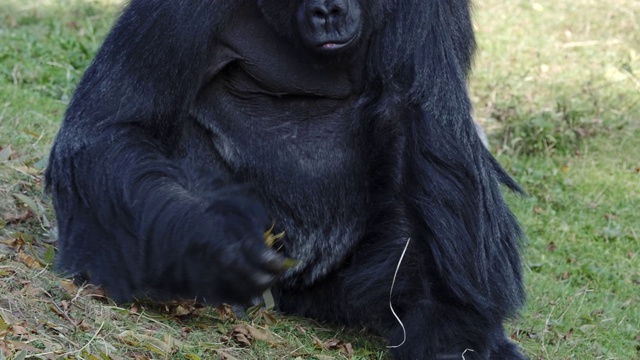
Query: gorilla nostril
[335,10]
[318,13]
[325,11]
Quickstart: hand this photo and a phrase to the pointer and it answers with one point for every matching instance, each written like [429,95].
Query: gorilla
[346,123]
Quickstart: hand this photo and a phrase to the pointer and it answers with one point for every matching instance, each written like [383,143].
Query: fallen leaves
[33,256]
[163,347]
[13,219]
[245,335]
[345,349]
[17,338]
[28,260]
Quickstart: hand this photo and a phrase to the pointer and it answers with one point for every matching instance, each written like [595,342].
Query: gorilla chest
[305,156]
[287,122]
[312,137]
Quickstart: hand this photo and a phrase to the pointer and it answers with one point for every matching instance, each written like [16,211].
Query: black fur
[347,122]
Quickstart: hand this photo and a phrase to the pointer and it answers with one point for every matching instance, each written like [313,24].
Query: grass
[557,86]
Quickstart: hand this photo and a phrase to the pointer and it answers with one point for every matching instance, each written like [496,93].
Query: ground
[557,87]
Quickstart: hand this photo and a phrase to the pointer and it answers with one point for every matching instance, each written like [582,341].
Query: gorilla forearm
[162,216]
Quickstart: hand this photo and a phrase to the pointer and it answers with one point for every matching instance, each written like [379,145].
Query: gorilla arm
[131,215]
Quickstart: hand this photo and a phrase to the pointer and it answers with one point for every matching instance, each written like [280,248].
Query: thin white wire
[465,351]
[404,331]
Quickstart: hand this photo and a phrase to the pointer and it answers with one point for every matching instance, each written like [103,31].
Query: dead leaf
[245,335]
[93,291]
[347,350]
[157,346]
[223,355]
[3,325]
[301,329]
[568,335]
[241,335]
[27,170]
[17,345]
[18,330]
[32,291]
[13,219]
[225,312]
[611,217]
[4,349]
[28,260]
[57,310]
[269,319]
[69,287]
[181,310]
[6,272]
[335,345]
[264,335]
[332,344]
[15,243]
[83,326]
[185,331]
[565,275]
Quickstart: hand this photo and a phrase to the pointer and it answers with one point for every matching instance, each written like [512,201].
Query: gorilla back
[345,122]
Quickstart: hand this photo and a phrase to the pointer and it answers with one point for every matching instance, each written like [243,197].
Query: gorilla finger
[263,257]
[273,262]
[262,280]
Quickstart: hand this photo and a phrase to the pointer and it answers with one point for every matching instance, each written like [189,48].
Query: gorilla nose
[325,11]
[329,25]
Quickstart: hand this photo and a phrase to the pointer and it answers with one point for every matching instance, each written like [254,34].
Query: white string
[465,351]
[404,331]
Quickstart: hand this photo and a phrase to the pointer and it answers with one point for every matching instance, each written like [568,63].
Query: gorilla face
[325,26]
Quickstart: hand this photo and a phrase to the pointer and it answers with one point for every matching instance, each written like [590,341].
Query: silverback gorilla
[345,122]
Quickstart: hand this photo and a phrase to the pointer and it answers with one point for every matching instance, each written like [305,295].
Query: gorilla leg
[434,326]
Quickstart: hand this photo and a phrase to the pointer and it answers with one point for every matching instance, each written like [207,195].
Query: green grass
[557,86]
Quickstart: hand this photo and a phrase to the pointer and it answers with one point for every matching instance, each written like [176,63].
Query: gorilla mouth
[336,45]
[333,46]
